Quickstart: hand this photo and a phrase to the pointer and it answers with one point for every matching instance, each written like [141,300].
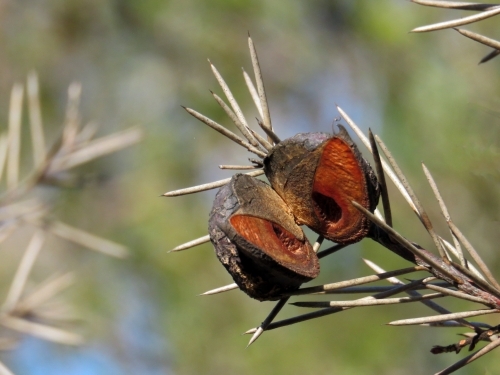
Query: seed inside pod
[318,175]
[257,240]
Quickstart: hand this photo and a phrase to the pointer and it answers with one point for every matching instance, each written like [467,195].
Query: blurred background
[138,62]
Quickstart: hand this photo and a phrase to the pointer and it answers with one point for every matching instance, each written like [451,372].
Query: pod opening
[326,208]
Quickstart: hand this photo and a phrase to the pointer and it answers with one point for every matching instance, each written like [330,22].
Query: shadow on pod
[318,175]
[257,240]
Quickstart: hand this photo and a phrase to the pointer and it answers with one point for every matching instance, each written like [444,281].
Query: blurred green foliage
[139,60]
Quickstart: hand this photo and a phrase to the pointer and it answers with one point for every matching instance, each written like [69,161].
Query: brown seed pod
[318,175]
[257,240]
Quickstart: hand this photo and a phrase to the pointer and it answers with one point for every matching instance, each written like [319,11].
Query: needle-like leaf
[266,116]
[222,130]
[424,218]
[229,95]
[443,317]
[41,330]
[378,302]
[253,93]
[445,212]
[430,304]
[458,22]
[87,240]
[242,127]
[4,370]
[386,166]
[15,114]
[222,289]
[238,167]
[36,124]
[480,38]
[192,243]
[265,324]
[261,140]
[473,253]
[455,5]
[381,179]
[23,271]
[209,186]
[320,289]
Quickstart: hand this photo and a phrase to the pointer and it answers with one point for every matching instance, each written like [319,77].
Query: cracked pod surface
[257,240]
[318,175]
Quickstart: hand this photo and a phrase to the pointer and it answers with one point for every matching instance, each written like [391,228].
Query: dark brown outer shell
[294,168]
[262,274]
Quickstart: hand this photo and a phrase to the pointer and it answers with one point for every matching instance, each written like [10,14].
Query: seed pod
[257,240]
[318,175]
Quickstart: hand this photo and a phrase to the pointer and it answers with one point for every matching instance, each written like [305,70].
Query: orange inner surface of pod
[339,179]
[273,239]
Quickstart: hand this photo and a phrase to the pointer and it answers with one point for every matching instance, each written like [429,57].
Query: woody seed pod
[257,240]
[318,175]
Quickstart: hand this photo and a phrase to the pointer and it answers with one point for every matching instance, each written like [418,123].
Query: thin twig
[456,294]
[406,244]
[480,282]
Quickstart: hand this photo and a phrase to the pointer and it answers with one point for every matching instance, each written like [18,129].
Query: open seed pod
[318,175]
[257,240]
